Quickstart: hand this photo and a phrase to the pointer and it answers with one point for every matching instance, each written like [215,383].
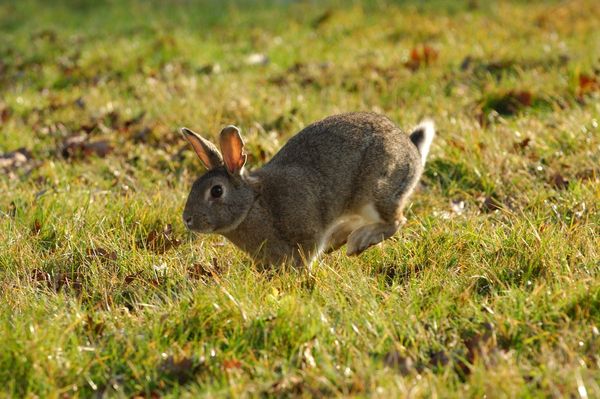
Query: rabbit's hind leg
[339,237]
[370,234]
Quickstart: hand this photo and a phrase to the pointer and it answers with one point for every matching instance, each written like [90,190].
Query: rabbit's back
[340,141]
[336,164]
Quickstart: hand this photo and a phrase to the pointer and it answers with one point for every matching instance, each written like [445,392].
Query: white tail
[422,136]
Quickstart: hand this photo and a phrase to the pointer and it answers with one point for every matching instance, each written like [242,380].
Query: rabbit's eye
[216,191]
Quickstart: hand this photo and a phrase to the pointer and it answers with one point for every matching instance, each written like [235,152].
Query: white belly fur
[366,215]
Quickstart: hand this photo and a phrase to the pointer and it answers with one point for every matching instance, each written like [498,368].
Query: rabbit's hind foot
[369,235]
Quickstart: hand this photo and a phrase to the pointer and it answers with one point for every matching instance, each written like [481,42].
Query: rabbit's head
[221,198]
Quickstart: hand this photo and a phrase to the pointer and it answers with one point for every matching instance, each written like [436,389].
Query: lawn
[492,288]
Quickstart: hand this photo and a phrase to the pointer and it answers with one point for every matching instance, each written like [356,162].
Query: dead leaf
[36,227]
[480,346]
[480,343]
[508,103]
[182,368]
[94,327]
[161,241]
[199,271]
[130,278]
[58,281]
[70,281]
[588,175]
[522,144]
[558,181]
[40,276]
[232,364]
[424,56]
[78,147]
[489,203]
[438,358]
[396,361]
[587,84]
[5,114]
[12,209]
[146,395]
[101,254]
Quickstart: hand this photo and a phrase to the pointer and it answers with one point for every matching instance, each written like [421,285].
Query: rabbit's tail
[422,137]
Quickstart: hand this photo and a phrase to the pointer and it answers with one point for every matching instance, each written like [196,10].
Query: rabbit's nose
[188,221]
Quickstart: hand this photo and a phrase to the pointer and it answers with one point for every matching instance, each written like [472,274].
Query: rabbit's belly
[345,224]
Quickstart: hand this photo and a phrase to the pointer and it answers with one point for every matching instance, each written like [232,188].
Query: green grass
[497,295]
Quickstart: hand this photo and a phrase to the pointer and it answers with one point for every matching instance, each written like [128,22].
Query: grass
[492,287]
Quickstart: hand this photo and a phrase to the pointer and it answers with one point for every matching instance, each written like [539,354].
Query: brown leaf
[70,281]
[130,278]
[587,84]
[40,276]
[146,395]
[438,358]
[5,114]
[103,255]
[456,144]
[558,181]
[182,369]
[199,271]
[508,103]
[489,203]
[421,57]
[161,241]
[89,127]
[78,147]
[12,209]
[94,327]
[232,364]
[480,345]
[395,360]
[36,227]
[588,175]
[522,144]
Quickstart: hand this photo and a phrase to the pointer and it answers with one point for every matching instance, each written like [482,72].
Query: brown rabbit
[344,179]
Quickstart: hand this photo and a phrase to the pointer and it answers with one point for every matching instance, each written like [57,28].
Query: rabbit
[342,180]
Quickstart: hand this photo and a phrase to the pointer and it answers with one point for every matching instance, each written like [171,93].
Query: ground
[491,288]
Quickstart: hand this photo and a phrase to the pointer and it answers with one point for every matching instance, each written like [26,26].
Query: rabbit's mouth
[202,230]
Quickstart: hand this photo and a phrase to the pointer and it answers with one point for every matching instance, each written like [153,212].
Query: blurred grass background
[492,288]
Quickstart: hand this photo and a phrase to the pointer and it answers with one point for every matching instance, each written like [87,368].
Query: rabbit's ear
[232,147]
[206,151]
